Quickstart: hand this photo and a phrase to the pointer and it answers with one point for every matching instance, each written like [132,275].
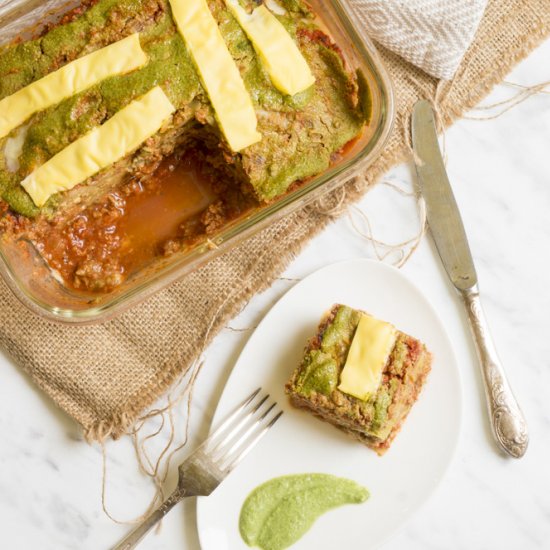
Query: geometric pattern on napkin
[431,34]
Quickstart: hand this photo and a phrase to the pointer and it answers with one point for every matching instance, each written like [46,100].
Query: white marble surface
[50,479]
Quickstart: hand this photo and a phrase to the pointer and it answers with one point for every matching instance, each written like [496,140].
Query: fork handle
[135,537]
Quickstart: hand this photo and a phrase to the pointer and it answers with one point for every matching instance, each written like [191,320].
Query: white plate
[401,480]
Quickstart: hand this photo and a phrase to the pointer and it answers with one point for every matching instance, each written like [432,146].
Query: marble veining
[50,480]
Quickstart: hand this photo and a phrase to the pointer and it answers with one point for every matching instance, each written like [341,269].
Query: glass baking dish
[40,289]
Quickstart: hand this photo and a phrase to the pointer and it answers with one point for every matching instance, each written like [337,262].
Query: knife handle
[507,421]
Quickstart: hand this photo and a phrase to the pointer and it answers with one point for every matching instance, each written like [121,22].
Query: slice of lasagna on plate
[360,374]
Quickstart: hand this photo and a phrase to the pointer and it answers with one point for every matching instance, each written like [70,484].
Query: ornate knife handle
[507,421]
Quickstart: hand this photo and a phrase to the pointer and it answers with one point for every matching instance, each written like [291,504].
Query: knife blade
[442,211]
[507,420]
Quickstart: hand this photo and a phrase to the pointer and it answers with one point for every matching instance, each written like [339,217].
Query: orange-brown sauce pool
[104,243]
[155,215]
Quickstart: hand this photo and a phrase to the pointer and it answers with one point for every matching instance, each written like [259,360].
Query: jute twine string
[162,418]
[525,92]
[382,249]
[523,87]
[335,210]
[233,329]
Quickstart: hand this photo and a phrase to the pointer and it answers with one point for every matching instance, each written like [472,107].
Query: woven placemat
[104,376]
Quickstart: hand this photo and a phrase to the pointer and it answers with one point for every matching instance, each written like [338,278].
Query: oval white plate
[401,480]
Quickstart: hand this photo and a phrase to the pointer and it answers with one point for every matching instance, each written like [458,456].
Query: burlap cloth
[104,376]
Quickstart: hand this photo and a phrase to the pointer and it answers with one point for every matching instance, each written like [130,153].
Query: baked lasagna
[108,113]
[361,375]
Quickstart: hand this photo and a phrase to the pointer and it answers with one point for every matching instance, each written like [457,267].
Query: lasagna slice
[361,375]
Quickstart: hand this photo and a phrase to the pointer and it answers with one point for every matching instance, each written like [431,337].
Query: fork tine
[247,432]
[250,444]
[228,421]
[238,427]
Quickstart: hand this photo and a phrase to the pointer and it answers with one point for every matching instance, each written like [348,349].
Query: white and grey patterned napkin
[431,34]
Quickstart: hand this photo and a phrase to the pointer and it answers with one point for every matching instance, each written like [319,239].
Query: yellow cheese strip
[219,73]
[103,146]
[118,58]
[280,55]
[370,349]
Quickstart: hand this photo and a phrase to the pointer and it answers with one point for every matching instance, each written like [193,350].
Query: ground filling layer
[301,134]
[376,421]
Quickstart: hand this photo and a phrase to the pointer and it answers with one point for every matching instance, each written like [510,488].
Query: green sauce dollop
[279,512]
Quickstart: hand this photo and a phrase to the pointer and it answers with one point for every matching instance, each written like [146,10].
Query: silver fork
[214,459]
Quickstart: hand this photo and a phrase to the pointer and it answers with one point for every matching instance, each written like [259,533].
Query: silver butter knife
[507,421]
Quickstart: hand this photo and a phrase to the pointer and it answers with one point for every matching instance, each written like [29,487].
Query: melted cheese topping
[118,58]
[280,55]
[218,71]
[103,146]
[369,352]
